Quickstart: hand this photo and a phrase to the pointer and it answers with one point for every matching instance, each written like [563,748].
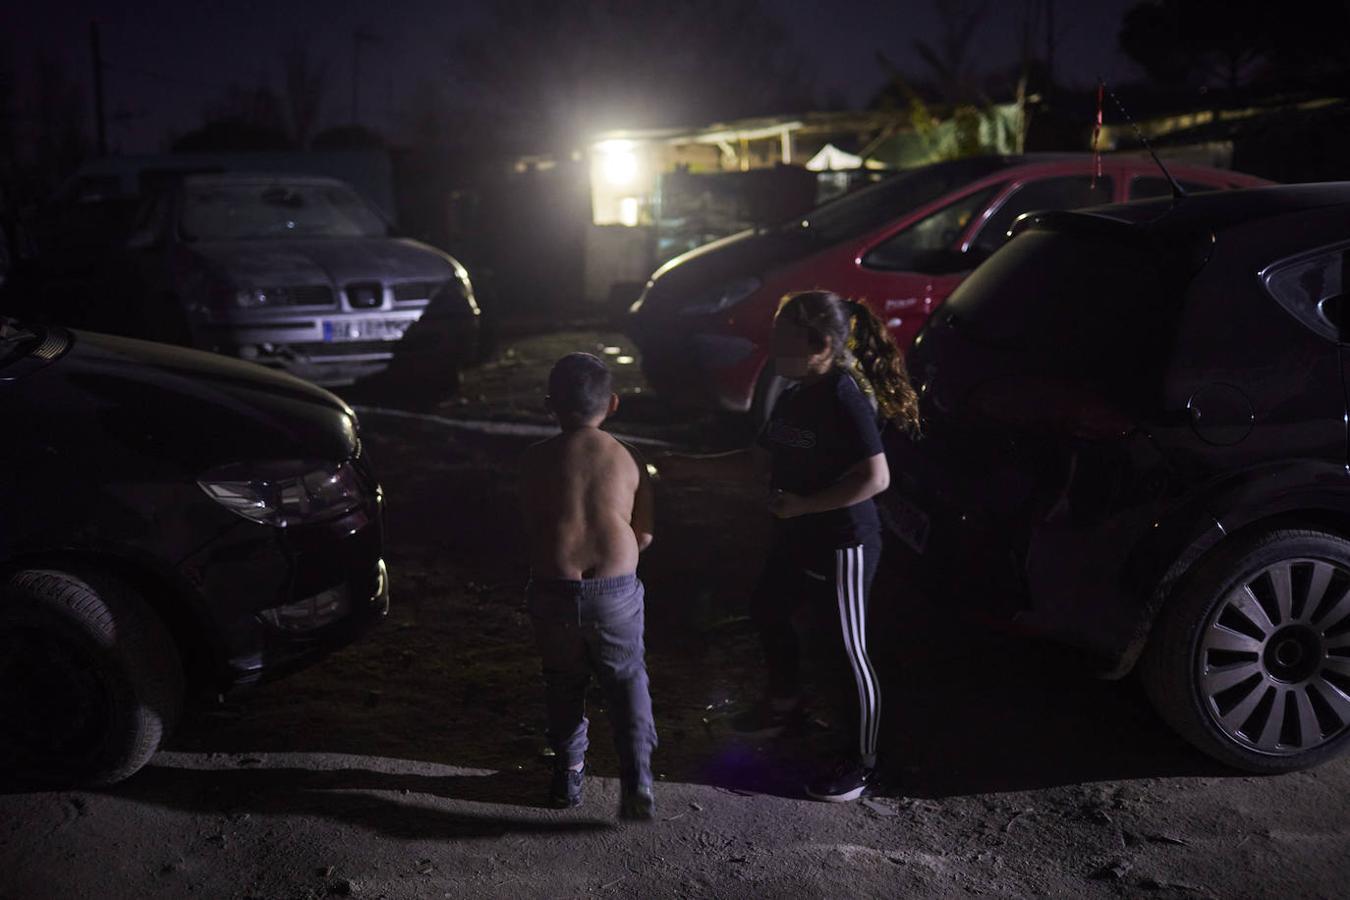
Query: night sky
[167,60]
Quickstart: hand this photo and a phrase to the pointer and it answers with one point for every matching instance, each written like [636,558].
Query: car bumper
[254,568]
[274,654]
[335,348]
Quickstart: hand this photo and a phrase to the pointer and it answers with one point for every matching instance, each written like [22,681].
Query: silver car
[294,272]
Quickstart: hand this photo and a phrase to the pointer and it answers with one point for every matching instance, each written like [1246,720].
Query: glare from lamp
[628,211]
[620,167]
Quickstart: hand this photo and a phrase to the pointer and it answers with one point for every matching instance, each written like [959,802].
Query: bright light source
[618,162]
[613,351]
[624,360]
[628,211]
[620,181]
[620,168]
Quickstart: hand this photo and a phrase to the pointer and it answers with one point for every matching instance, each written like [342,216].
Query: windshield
[255,210]
[15,341]
[856,214]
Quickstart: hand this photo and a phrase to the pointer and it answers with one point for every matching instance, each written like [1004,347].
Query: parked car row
[292,272]
[219,521]
[902,246]
[1135,417]
[1136,440]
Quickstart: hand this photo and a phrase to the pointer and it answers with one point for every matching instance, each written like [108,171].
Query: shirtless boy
[588,512]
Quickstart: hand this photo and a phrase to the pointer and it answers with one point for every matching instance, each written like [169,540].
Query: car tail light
[1032,402]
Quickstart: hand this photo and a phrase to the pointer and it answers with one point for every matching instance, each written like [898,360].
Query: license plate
[906,521]
[335,330]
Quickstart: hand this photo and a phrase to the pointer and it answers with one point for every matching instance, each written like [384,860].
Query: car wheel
[1250,661]
[90,680]
[767,391]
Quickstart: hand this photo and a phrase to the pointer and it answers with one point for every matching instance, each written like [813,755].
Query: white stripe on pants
[853,622]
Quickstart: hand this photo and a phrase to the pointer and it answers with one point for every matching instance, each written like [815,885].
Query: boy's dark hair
[579,387]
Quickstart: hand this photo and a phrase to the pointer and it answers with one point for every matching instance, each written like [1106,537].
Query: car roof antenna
[1177,192]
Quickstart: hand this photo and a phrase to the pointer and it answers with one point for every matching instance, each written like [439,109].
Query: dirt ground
[412,763]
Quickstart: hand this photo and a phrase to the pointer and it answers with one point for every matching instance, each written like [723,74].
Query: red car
[902,246]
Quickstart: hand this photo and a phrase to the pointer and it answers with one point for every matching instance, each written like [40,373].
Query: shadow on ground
[343,795]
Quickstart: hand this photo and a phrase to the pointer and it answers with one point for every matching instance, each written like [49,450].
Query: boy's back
[584,514]
[588,512]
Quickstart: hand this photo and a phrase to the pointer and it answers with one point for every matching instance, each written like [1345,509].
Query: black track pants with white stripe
[835,583]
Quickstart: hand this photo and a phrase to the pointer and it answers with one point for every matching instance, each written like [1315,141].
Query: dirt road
[410,764]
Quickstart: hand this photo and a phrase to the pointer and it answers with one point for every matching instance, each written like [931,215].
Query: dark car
[295,272]
[172,523]
[901,246]
[1136,442]
[300,273]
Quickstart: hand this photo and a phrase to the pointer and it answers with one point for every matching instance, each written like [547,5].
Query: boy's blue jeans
[594,627]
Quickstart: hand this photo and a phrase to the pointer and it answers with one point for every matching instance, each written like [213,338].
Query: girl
[826,465]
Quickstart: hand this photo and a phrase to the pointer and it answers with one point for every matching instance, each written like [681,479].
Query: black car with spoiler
[1136,442]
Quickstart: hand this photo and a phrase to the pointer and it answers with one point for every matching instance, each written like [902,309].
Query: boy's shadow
[346,795]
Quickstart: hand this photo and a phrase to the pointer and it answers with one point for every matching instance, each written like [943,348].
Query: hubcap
[1274,658]
[1293,654]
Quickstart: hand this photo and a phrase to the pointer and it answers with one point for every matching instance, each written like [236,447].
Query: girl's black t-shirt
[815,433]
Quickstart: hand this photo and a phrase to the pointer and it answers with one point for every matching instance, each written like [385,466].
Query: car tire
[1246,661]
[87,648]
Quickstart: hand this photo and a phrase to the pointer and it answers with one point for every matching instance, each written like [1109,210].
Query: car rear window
[1081,303]
[1056,192]
[1312,287]
[856,214]
[929,245]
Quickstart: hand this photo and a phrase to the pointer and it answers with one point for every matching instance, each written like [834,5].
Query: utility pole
[100,121]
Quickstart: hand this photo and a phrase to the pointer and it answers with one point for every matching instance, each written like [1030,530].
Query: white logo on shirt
[782,433]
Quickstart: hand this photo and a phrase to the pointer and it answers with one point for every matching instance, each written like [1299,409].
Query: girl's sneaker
[846,781]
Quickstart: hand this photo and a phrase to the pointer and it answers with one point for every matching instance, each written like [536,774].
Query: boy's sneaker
[638,804]
[565,790]
[846,781]
[764,719]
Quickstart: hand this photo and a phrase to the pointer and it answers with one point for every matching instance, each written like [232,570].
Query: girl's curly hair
[862,343]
